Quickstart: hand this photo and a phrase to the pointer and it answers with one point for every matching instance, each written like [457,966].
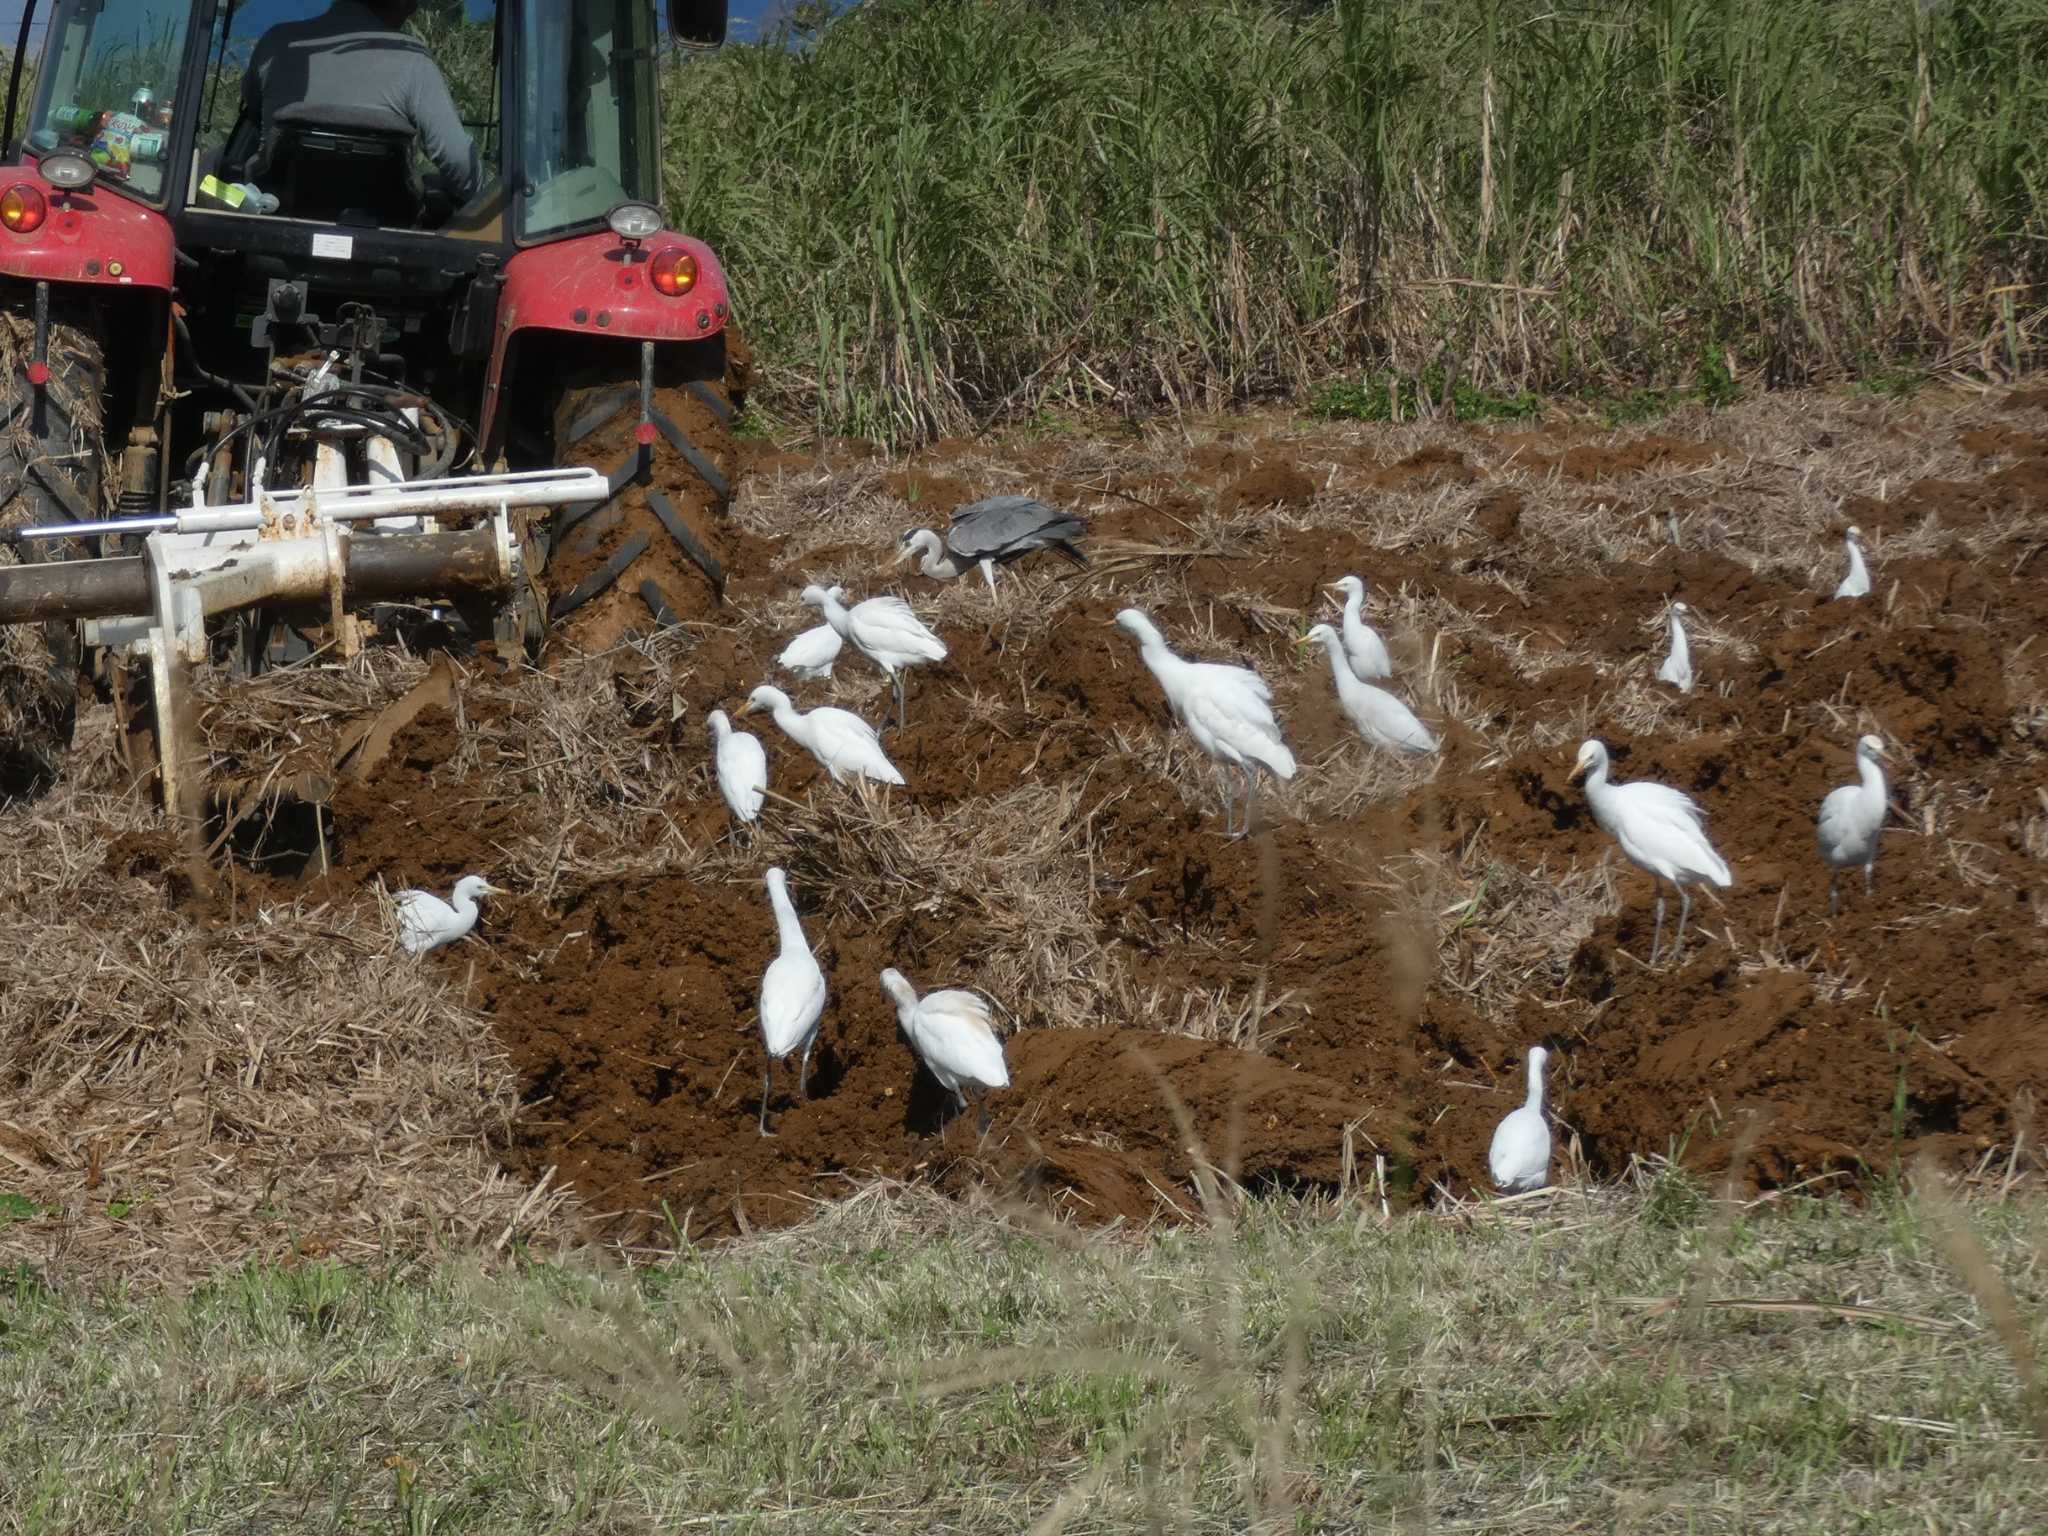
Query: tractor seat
[358,176]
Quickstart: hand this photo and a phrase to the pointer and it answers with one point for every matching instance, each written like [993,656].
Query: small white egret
[1851,819]
[1660,829]
[1228,710]
[811,654]
[1519,1158]
[954,1035]
[792,994]
[1363,647]
[1381,718]
[1677,668]
[840,740]
[742,765]
[884,630]
[991,533]
[1857,582]
[427,922]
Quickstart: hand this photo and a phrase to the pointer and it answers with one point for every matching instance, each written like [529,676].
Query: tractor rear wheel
[51,452]
[657,552]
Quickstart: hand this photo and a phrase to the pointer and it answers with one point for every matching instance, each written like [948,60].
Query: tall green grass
[940,213]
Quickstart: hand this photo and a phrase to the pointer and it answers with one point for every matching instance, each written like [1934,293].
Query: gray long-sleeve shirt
[347,69]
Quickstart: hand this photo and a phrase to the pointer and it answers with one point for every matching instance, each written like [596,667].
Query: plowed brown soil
[1366,971]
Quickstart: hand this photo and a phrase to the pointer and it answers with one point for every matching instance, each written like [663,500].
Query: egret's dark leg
[902,716]
[985,1121]
[1657,943]
[1223,782]
[803,1072]
[1834,886]
[1684,911]
[1251,796]
[765,1066]
[1870,878]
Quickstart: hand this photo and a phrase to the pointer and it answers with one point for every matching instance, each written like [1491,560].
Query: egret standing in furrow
[840,740]
[1857,582]
[1519,1158]
[427,922]
[1228,710]
[742,766]
[1363,647]
[954,1035]
[1851,819]
[1677,668]
[1381,718]
[992,533]
[884,630]
[792,994]
[1660,829]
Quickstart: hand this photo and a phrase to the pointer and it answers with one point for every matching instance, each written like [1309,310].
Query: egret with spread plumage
[953,1033]
[1660,830]
[883,629]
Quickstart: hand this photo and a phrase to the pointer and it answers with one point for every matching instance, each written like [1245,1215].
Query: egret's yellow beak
[903,553]
[745,709]
[1578,771]
[496,890]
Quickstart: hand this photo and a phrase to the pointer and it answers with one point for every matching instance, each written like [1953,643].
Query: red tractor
[252,415]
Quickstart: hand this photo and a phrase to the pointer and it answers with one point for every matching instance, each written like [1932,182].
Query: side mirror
[697,21]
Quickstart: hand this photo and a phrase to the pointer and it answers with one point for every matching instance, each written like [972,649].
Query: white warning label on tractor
[336,247]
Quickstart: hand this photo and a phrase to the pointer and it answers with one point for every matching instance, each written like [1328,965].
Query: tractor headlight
[673,271]
[23,208]
[634,221]
[67,172]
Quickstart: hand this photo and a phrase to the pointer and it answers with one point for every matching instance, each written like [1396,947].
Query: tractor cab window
[320,111]
[588,136]
[109,88]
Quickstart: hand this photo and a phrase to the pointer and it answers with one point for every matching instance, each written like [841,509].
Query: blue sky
[747,16]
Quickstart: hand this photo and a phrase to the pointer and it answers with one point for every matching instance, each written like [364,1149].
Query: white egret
[954,1035]
[1228,710]
[884,630]
[1381,718]
[1857,582]
[742,765]
[792,994]
[811,653]
[1363,647]
[840,740]
[1660,829]
[1677,668]
[427,922]
[1851,819]
[991,533]
[1519,1158]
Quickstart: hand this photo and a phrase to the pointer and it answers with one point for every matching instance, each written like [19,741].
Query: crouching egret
[992,533]
[954,1036]
[1677,668]
[1381,718]
[792,994]
[1857,582]
[1363,647]
[742,765]
[1852,817]
[427,922]
[811,653]
[1228,710]
[840,740]
[884,630]
[1519,1158]
[1660,829]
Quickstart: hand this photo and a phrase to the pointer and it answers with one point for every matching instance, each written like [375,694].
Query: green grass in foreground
[902,1363]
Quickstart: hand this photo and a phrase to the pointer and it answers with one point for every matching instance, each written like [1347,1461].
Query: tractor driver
[353,67]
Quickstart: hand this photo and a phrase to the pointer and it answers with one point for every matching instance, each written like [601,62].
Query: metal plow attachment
[337,544]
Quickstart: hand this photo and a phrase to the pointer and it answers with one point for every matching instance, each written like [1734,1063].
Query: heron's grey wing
[1001,524]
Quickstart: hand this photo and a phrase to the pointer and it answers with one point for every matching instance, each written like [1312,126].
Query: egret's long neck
[1535,1099]
[1158,655]
[1872,774]
[835,613]
[1354,606]
[790,721]
[1340,668]
[1678,645]
[787,928]
[1856,565]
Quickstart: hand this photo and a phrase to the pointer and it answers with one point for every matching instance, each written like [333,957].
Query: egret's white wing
[1365,652]
[952,1032]
[845,744]
[887,626]
[1386,722]
[1223,679]
[792,1001]
[1846,831]
[1519,1158]
[1663,832]
[424,921]
[812,653]
[742,773]
[1222,722]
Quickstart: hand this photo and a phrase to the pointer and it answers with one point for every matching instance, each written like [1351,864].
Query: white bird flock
[1381,718]
[427,922]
